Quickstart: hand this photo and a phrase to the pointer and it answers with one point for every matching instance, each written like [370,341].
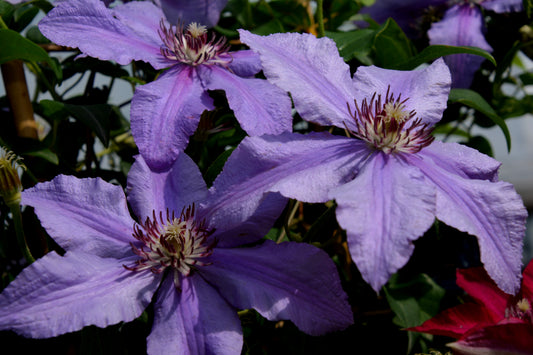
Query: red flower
[493,323]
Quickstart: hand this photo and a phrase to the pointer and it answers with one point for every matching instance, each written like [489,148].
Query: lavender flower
[164,113]
[391,179]
[206,12]
[462,25]
[186,255]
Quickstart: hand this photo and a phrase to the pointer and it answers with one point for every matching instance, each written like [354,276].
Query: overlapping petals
[107,276]
[398,205]
[166,112]
[385,200]
[493,322]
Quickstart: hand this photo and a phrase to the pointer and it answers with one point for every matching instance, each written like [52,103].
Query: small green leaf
[391,45]
[96,117]
[45,154]
[413,302]
[216,167]
[477,102]
[354,44]
[433,52]
[14,46]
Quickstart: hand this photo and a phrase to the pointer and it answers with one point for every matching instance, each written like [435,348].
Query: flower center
[521,309]
[388,126]
[192,45]
[175,243]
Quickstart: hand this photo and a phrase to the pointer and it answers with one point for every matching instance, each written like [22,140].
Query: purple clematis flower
[186,255]
[164,113]
[462,25]
[391,179]
[206,12]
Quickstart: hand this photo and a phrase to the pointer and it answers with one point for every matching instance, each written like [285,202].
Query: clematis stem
[293,206]
[320,18]
[21,238]
[19,99]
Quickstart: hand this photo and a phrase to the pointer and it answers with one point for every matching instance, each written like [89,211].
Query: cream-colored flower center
[192,46]
[177,243]
[388,126]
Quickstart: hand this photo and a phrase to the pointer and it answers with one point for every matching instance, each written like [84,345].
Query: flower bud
[10,185]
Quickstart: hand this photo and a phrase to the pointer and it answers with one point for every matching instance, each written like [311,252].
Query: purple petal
[174,189]
[289,164]
[88,215]
[165,112]
[492,211]
[384,209]
[500,6]
[57,295]
[311,69]
[194,320]
[205,12]
[303,167]
[458,158]
[231,232]
[462,25]
[426,90]
[94,29]
[245,63]
[260,107]
[292,281]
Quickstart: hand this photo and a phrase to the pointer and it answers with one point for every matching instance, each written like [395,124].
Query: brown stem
[19,99]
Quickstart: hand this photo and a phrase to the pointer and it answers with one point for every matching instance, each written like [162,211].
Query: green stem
[21,239]
[320,18]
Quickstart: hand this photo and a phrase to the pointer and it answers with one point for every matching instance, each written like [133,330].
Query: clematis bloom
[206,12]
[493,322]
[390,179]
[164,113]
[186,255]
[462,25]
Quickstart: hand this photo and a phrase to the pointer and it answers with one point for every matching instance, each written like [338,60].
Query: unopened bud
[10,185]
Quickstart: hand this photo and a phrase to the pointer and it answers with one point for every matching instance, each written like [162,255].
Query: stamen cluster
[10,185]
[520,309]
[388,126]
[178,243]
[192,46]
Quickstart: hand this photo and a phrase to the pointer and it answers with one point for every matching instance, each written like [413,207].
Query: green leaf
[413,302]
[35,35]
[45,154]
[354,44]
[391,45]
[23,16]
[14,46]
[477,102]
[96,117]
[481,144]
[433,52]
[216,167]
